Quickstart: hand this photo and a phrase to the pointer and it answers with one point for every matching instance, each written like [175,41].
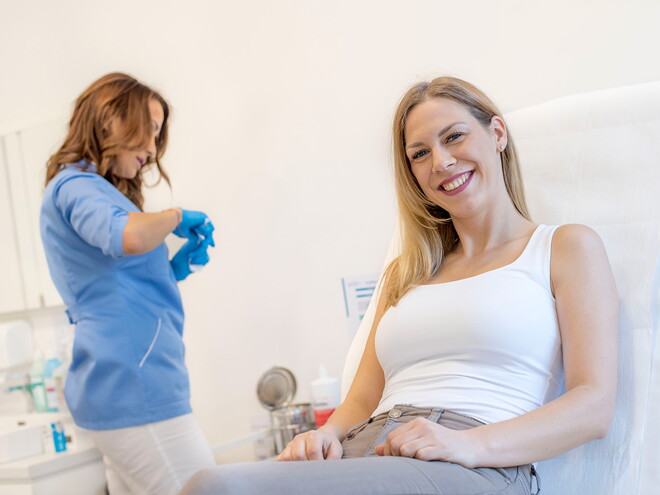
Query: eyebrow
[419,143]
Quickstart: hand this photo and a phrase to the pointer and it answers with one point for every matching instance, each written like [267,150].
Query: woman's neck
[490,229]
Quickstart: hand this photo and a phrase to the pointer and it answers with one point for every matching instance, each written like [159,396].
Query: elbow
[132,243]
[603,427]
[596,411]
[602,422]
[601,431]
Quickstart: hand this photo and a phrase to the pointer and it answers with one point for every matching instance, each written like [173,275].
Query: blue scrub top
[128,365]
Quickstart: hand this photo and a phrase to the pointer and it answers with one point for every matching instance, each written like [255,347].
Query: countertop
[37,466]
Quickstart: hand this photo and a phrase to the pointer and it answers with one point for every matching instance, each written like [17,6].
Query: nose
[442,159]
[152,148]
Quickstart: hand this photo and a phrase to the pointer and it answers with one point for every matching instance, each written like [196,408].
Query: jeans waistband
[400,410]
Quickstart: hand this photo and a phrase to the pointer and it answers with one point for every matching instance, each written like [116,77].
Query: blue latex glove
[179,263]
[199,256]
[193,252]
[194,224]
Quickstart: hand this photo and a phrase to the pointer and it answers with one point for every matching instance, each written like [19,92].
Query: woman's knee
[203,482]
[218,480]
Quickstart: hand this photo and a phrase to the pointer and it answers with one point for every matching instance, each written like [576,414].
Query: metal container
[275,390]
[289,421]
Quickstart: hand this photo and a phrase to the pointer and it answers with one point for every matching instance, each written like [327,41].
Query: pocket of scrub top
[152,344]
[162,366]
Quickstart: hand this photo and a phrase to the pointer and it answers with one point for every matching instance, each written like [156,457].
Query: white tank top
[487,346]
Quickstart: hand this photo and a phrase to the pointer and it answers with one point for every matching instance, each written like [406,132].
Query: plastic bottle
[59,376]
[326,396]
[37,387]
[58,436]
[51,365]
[60,373]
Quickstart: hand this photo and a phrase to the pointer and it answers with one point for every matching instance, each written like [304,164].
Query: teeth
[453,185]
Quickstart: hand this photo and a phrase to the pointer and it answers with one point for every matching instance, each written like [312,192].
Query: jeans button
[394,413]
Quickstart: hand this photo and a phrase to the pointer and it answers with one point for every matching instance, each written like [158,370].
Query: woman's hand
[193,224]
[428,441]
[193,252]
[314,445]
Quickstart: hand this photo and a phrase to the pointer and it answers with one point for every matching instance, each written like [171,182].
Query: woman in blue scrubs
[128,383]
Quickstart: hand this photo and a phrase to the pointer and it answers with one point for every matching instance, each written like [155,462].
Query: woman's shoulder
[73,185]
[73,172]
[82,168]
[575,247]
[574,237]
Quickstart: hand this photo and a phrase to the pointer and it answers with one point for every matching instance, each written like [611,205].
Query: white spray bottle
[326,396]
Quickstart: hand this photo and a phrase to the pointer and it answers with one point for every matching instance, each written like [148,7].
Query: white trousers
[155,458]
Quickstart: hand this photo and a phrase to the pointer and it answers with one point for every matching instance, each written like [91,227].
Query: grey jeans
[361,471]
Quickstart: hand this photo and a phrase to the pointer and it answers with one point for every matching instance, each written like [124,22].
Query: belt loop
[73,312]
[68,314]
[538,480]
[435,414]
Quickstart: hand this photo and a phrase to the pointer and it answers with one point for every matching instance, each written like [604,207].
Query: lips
[456,183]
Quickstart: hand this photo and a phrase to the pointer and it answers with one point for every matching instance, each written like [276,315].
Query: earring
[501,149]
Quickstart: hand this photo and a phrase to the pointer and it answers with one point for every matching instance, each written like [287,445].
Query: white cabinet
[78,472]
[12,292]
[25,282]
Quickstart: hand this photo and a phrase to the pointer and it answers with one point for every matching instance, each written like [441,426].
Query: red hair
[113,97]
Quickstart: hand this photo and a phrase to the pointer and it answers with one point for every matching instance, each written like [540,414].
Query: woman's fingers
[309,446]
[404,433]
[412,447]
[406,447]
[335,450]
[299,448]
[429,453]
[285,455]
[419,437]
[313,447]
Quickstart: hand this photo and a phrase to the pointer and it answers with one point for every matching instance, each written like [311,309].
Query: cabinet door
[37,145]
[12,290]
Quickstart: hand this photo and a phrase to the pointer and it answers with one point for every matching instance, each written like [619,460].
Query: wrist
[179,215]
[478,448]
[331,430]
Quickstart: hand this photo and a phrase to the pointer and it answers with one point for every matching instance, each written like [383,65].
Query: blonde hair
[120,97]
[426,229]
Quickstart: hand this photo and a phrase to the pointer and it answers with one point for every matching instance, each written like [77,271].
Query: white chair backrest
[594,158]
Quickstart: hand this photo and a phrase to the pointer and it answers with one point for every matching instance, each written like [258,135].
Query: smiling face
[454,158]
[128,162]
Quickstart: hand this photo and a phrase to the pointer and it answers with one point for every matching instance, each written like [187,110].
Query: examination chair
[594,158]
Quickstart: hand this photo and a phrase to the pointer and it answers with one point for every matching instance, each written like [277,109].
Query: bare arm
[367,387]
[361,400]
[587,310]
[145,231]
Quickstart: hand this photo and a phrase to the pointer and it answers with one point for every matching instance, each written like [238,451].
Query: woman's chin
[127,174]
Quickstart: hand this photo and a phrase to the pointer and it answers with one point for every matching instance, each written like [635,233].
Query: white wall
[281,133]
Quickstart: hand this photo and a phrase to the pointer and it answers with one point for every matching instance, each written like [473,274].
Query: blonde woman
[482,318]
